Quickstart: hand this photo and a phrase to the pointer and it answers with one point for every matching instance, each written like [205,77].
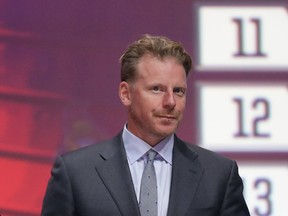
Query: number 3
[265,197]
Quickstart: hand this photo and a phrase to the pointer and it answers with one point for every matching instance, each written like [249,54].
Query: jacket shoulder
[93,150]
[205,156]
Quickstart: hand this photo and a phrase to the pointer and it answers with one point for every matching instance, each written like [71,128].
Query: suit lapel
[186,175]
[115,174]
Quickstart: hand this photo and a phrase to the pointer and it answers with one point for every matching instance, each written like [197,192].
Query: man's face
[156,99]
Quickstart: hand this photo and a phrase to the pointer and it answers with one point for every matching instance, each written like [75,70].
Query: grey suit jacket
[96,181]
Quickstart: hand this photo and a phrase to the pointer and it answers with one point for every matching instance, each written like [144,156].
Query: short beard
[159,134]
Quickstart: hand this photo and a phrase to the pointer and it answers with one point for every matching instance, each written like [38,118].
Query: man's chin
[165,131]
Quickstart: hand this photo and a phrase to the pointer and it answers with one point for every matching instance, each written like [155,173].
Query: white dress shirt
[136,149]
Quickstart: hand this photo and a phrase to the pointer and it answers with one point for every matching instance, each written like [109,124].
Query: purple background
[66,52]
[76,46]
[55,53]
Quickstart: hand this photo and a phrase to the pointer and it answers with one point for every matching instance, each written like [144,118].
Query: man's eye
[179,91]
[156,88]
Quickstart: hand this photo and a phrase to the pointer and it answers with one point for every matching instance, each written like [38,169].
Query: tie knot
[151,155]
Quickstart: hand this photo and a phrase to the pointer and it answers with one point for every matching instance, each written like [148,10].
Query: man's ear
[124,93]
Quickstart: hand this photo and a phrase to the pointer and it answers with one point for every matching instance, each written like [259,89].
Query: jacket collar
[186,175]
[115,174]
[114,171]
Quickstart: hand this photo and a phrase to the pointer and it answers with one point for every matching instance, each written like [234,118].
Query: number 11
[258,51]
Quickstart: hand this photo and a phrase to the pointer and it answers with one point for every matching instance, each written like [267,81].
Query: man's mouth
[168,117]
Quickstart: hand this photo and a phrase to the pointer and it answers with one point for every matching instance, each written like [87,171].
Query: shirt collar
[136,147]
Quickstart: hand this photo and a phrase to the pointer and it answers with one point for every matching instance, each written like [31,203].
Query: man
[106,178]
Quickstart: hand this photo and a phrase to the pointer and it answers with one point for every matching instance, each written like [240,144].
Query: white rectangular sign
[243,117]
[242,37]
[265,187]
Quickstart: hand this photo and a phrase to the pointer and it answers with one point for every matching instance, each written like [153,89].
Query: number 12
[255,122]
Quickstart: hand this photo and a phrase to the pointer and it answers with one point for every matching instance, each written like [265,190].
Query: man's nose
[169,99]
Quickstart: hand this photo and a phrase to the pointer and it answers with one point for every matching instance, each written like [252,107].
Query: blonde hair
[157,46]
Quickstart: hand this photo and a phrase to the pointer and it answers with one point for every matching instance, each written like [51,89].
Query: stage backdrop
[59,77]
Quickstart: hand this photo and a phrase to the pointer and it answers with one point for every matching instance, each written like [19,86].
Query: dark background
[59,77]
